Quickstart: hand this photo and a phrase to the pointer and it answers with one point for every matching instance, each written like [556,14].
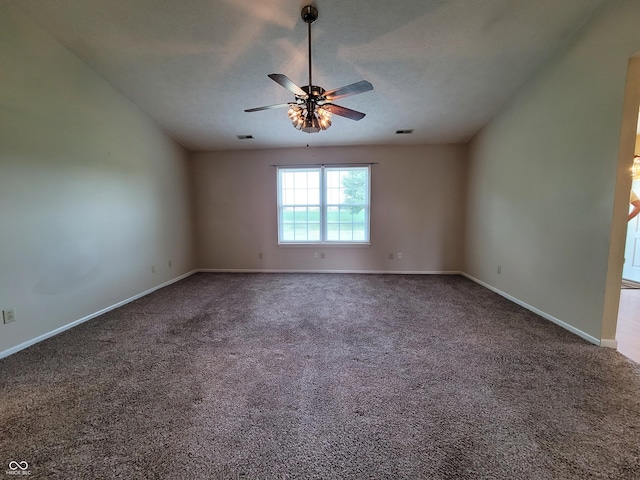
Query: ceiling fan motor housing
[314,91]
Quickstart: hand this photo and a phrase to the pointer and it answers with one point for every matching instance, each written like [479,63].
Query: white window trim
[323,206]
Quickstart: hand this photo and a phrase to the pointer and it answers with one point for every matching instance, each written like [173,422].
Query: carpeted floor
[273,376]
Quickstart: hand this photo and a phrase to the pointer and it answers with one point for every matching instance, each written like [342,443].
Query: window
[323,204]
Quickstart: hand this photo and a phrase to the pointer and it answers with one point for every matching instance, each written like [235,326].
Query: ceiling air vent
[404,132]
[245,137]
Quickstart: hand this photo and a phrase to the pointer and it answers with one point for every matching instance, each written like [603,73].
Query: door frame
[631,107]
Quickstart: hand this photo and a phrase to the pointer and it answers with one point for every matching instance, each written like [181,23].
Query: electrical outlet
[315,254]
[399,255]
[260,256]
[9,315]
[499,270]
[153,269]
[391,256]
[170,263]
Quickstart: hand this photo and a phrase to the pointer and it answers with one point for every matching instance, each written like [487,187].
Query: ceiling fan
[313,106]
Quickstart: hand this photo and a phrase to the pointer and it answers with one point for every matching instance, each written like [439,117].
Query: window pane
[300,214]
[354,186]
[333,179]
[346,232]
[359,232]
[287,196]
[314,196]
[287,232]
[300,232]
[333,232]
[287,215]
[287,180]
[333,214]
[346,216]
[314,214]
[313,180]
[314,232]
[300,196]
[300,179]
[333,196]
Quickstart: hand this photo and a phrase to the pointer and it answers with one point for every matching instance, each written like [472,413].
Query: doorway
[631,266]
[615,332]
[628,323]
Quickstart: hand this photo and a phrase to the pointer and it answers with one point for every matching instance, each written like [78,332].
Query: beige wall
[542,177]
[416,208]
[92,193]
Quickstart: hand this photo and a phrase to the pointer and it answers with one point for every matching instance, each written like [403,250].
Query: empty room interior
[323,239]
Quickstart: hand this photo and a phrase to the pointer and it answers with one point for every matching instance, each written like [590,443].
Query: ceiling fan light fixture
[297,116]
[311,125]
[294,113]
[324,117]
[308,120]
[308,124]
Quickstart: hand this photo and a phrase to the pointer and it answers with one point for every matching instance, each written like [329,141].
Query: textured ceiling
[440,67]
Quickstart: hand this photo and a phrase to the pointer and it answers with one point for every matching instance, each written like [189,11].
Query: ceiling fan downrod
[309,14]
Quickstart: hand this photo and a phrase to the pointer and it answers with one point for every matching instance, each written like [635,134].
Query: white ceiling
[440,67]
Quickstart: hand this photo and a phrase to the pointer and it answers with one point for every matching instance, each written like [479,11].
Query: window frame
[323,205]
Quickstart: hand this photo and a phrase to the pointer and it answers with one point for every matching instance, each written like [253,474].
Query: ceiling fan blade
[358,87]
[288,84]
[268,107]
[346,112]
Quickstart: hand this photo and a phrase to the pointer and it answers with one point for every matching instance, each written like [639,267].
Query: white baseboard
[390,272]
[58,330]
[545,315]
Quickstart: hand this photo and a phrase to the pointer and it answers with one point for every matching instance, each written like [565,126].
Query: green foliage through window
[355,191]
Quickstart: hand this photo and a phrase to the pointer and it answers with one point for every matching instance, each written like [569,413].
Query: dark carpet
[274,376]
